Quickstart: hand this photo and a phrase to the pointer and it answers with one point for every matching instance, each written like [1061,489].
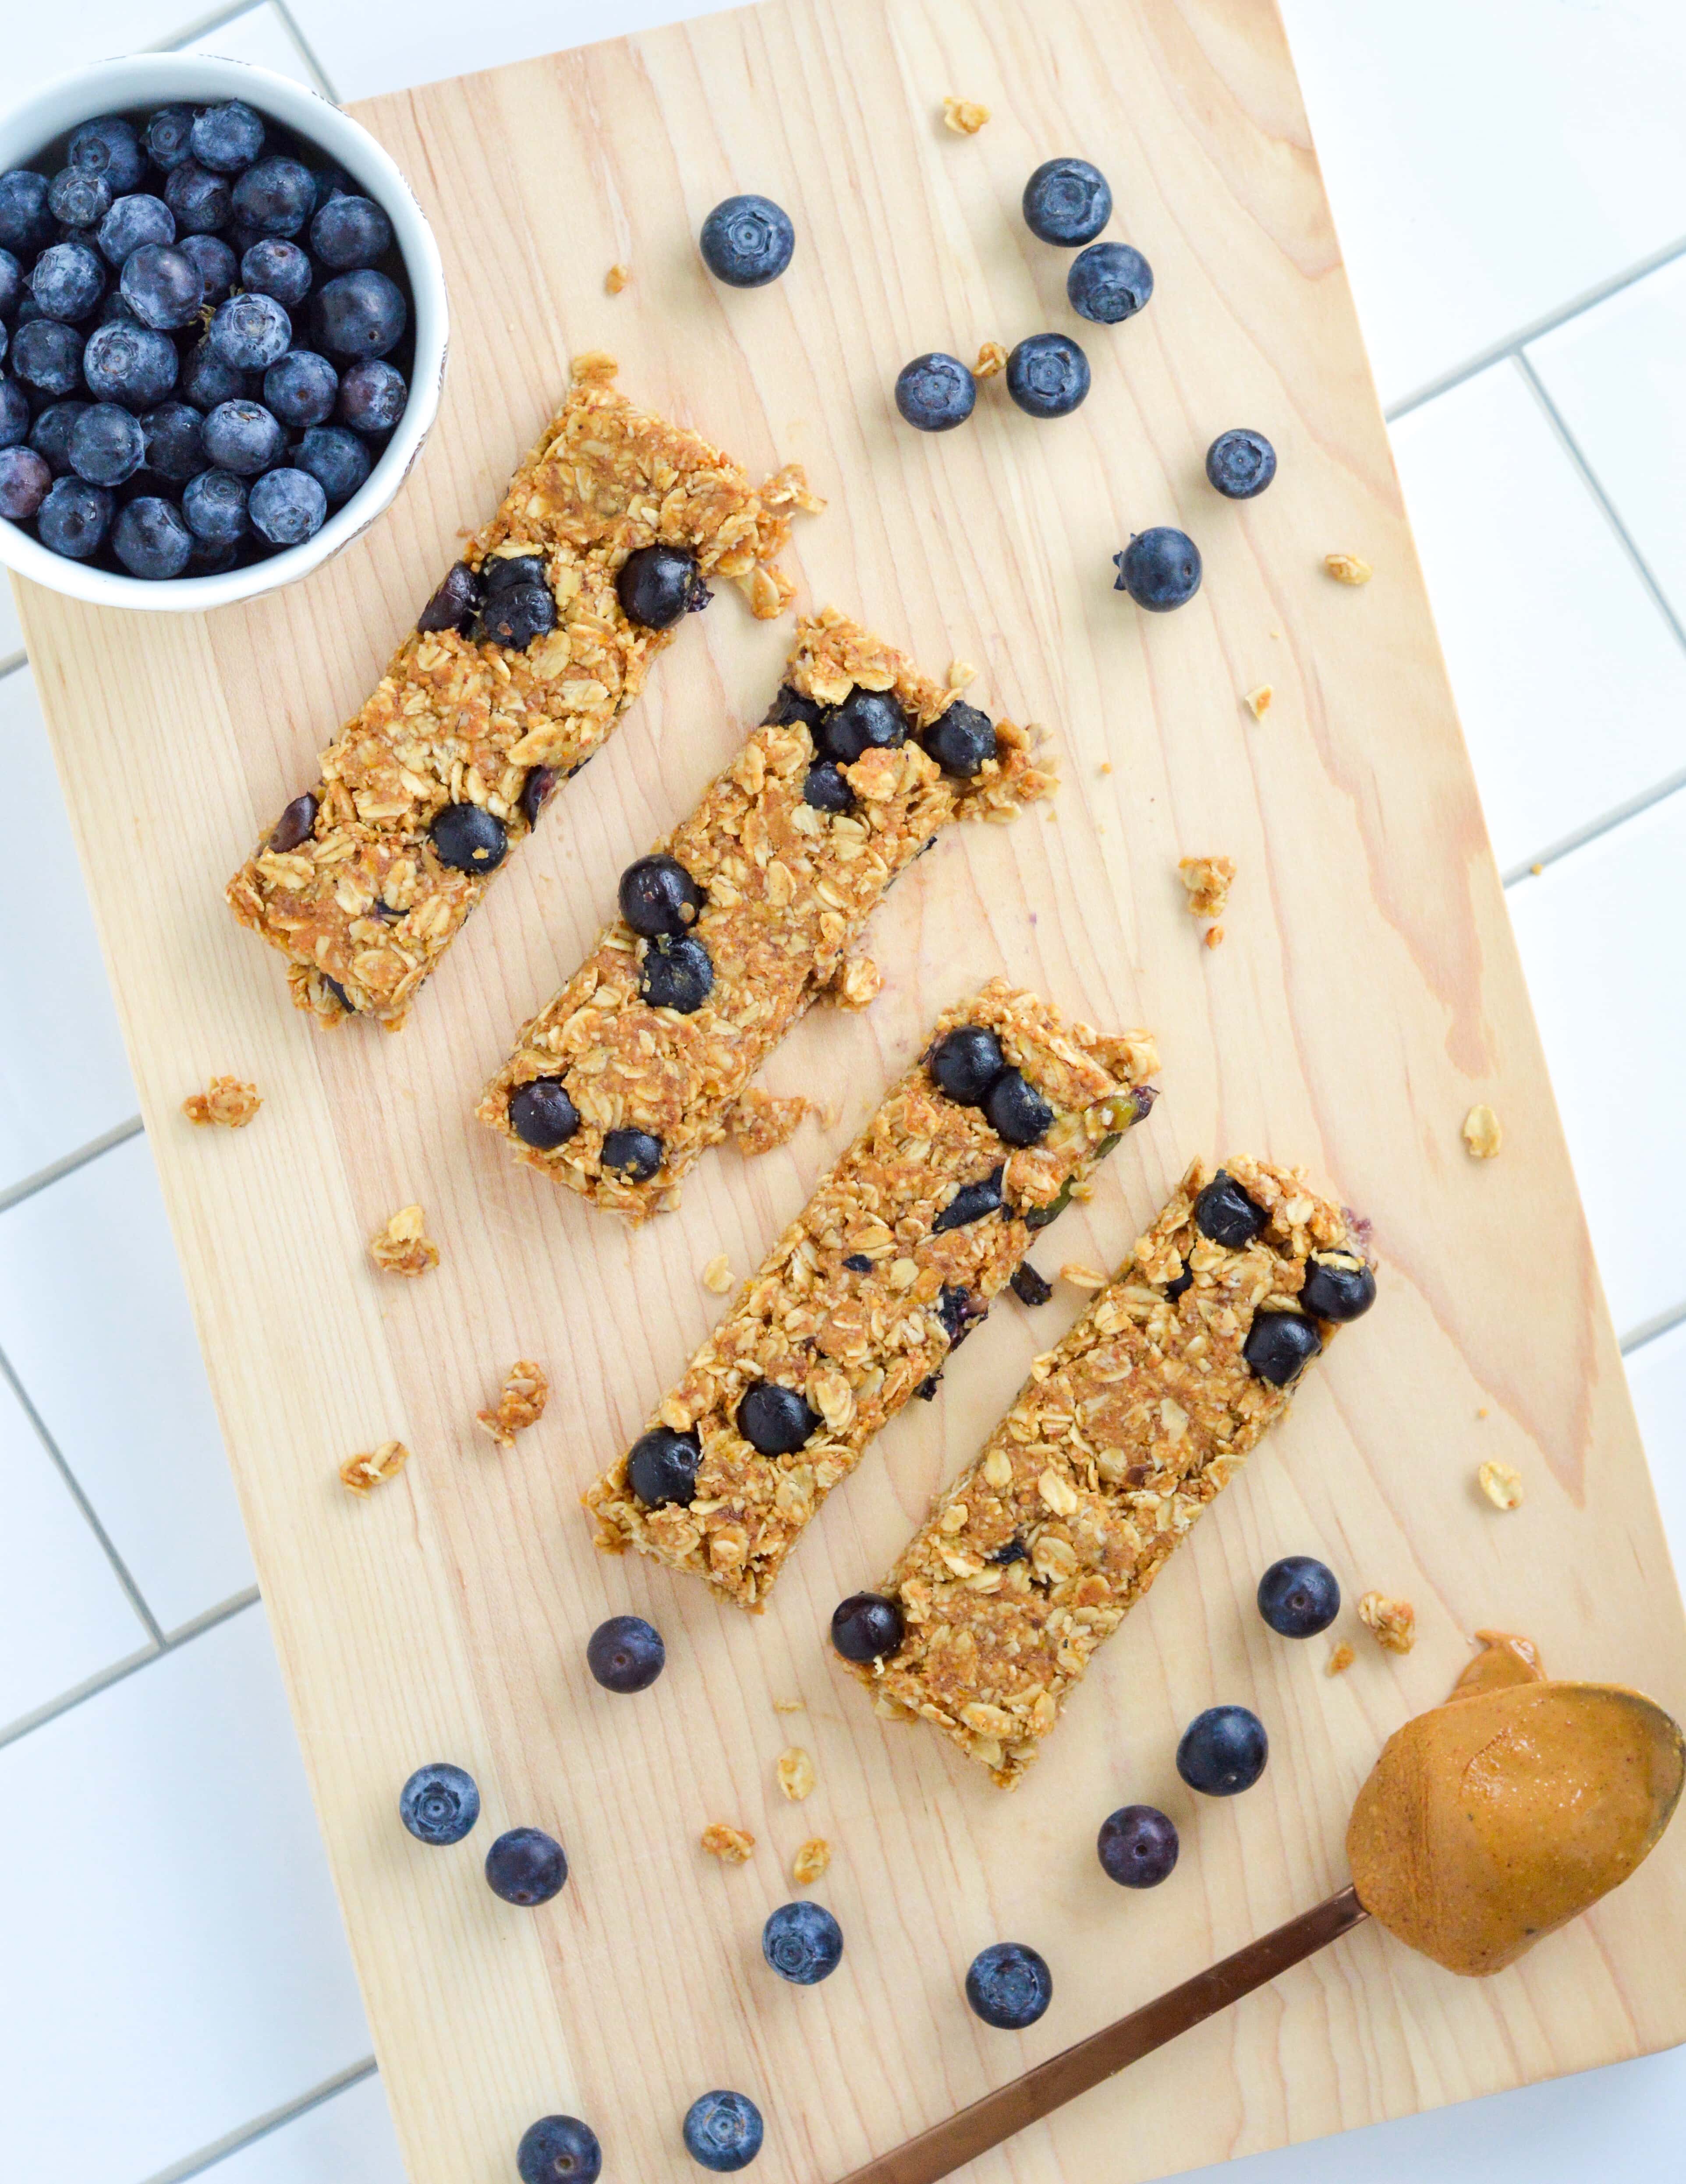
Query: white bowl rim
[136,80]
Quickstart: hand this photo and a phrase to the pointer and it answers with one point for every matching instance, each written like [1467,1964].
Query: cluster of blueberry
[200,326]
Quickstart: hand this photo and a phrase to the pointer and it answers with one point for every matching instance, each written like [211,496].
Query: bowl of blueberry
[222,332]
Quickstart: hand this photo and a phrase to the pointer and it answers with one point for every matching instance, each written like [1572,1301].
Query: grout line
[325,82]
[1658,793]
[1514,343]
[15,1194]
[121,1671]
[215,19]
[1647,1330]
[235,2142]
[13,661]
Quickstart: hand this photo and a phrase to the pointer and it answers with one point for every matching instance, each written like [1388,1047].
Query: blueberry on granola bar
[676,974]
[626,1653]
[775,1421]
[469,838]
[661,1467]
[514,616]
[635,1154]
[868,1626]
[803,1943]
[1016,1111]
[1226,1213]
[658,586]
[973,1201]
[825,788]
[439,1803]
[294,824]
[1337,1286]
[541,1115]
[454,604]
[558,2149]
[789,705]
[1278,1344]
[1009,1985]
[658,895]
[962,741]
[867,720]
[966,1063]
[536,791]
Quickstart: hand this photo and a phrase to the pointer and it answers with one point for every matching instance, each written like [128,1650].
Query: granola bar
[1119,1438]
[518,670]
[744,916]
[894,1259]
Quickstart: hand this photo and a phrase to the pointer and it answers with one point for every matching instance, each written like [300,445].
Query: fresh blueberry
[1048,374]
[626,1653]
[301,388]
[1224,1212]
[243,436]
[558,2149]
[658,895]
[1241,464]
[227,138]
[439,1803]
[636,1155]
[67,281]
[272,267]
[1016,1111]
[131,221]
[350,232]
[465,836]
[1279,1344]
[936,392]
[1298,1596]
[163,287]
[824,787]
[677,975]
[214,505]
[200,200]
[661,1467]
[248,332]
[1337,1286]
[287,506]
[775,1421]
[25,223]
[537,785]
[747,241]
[206,382]
[76,198]
[1067,201]
[722,2131]
[867,720]
[129,364]
[1028,1285]
[972,1202]
[525,1866]
[333,183]
[50,434]
[114,311]
[109,149]
[47,354]
[803,1943]
[168,136]
[789,705]
[11,282]
[363,314]
[1223,1752]
[296,824]
[868,1626]
[371,397]
[106,445]
[1108,282]
[965,1062]
[541,1115]
[456,602]
[1009,1985]
[74,518]
[217,263]
[15,414]
[275,196]
[24,479]
[962,741]
[1138,1847]
[175,442]
[658,585]
[337,461]
[150,539]
[514,616]
[1160,569]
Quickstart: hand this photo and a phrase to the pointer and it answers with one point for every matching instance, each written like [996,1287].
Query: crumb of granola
[362,1473]
[1502,1484]
[403,1246]
[1348,568]
[789,1706]
[1483,1135]
[991,359]
[857,983]
[717,1275]
[794,1770]
[1340,1660]
[1207,881]
[811,1862]
[1393,1622]
[964,116]
[1536,870]
[731,1845]
[617,278]
[1081,1277]
[525,1393]
[1258,702]
[224,1100]
[961,674]
[1106,766]
[1213,936]
[760,1122]
[1082,1190]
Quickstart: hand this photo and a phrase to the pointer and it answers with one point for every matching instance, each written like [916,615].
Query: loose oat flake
[225,1101]
[1348,568]
[991,359]
[812,1861]
[717,1275]
[964,116]
[1393,1622]
[794,1770]
[617,278]
[1483,1135]
[1258,702]
[1340,1660]
[361,1473]
[402,1246]
[731,1845]
[1502,1484]
[1081,1277]
[525,1393]
[1207,880]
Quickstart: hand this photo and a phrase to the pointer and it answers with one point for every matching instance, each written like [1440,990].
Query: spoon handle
[946,2146]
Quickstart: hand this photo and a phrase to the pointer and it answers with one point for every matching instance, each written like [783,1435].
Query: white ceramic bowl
[146,79]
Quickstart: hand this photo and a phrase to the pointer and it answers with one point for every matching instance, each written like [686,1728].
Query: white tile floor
[1510,180]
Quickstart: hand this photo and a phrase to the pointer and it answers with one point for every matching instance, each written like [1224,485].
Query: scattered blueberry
[1279,1344]
[24,479]
[107,444]
[1241,464]
[439,1803]
[217,263]
[558,2149]
[965,1062]
[661,1467]
[1016,1111]
[626,1653]
[275,196]
[170,136]
[200,200]
[371,397]
[174,434]
[131,221]
[25,223]
[74,518]
[962,741]
[337,461]
[867,720]
[1067,201]
[658,895]
[722,2131]
[227,138]
[150,539]
[775,1421]
[525,1866]
[541,1115]
[936,392]
[1138,1847]
[214,505]
[824,787]
[50,434]
[803,1943]
[1223,1752]
[300,388]
[1337,1287]
[658,585]
[868,1626]
[243,436]
[288,507]
[363,314]
[1160,569]
[206,382]
[47,355]
[1048,374]
[248,332]
[1009,1985]
[676,974]
[350,232]
[1298,1596]
[109,149]
[1108,282]
[635,1154]
[514,616]
[76,198]
[129,364]
[747,241]
[465,836]
[163,287]
[1224,1212]
[274,267]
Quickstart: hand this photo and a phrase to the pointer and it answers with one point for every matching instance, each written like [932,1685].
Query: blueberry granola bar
[744,916]
[517,671]
[1119,1438]
[894,1259]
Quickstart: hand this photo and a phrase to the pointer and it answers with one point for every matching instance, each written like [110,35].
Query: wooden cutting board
[1367,994]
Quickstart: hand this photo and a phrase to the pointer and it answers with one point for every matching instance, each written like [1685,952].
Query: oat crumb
[1258,702]
[1393,1621]
[526,1391]
[1340,1660]
[224,1100]
[362,1473]
[1214,936]
[1348,568]
[617,278]
[789,1706]
[1483,1136]
[402,1245]
[811,1862]
[1207,881]
[991,359]
[964,116]
[857,983]
[1536,870]
[731,1845]
[794,1770]
[1502,1484]
[1105,766]
[961,674]
[1481,1412]
[717,1275]
[761,1122]
[1081,1277]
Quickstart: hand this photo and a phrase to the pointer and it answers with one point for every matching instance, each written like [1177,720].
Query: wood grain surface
[1368,993]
